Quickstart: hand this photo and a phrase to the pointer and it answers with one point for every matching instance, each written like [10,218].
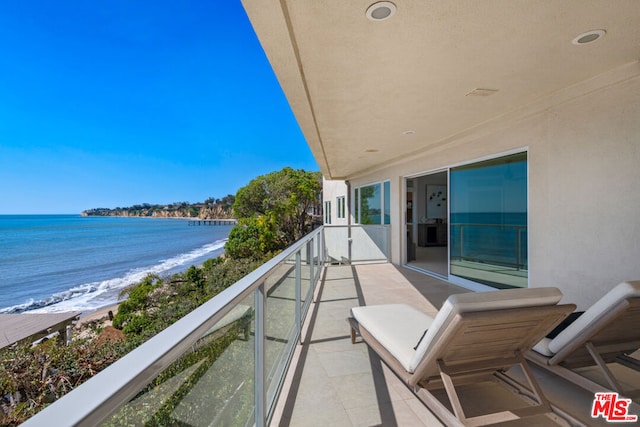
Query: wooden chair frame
[611,339]
[472,346]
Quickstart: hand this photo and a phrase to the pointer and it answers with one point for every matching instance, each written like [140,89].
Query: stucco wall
[585,193]
[584,186]
[331,190]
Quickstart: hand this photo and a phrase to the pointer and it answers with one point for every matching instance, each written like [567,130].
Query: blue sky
[106,104]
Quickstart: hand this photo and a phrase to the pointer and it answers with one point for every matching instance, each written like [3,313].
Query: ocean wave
[90,296]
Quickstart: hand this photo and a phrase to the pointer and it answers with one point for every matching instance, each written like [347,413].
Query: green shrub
[137,324]
[31,378]
[244,241]
[229,272]
[138,299]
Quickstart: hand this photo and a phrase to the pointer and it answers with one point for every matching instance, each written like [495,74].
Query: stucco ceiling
[357,86]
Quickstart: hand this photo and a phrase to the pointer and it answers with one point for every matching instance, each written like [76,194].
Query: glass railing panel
[336,240]
[280,323]
[304,253]
[319,256]
[493,254]
[369,243]
[306,291]
[212,384]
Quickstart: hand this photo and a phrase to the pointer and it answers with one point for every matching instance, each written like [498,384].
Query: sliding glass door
[488,221]
[426,222]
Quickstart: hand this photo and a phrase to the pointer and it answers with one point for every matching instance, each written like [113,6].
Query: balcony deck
[333,382]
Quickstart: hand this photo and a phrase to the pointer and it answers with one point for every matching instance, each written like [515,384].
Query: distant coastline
[209,209]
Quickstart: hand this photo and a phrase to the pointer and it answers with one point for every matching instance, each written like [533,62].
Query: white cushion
[482,301]
[621,292]
[397,327]
[543,347]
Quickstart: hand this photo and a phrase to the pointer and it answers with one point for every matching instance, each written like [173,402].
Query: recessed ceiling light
[409,132]
[381,10]
[588,37]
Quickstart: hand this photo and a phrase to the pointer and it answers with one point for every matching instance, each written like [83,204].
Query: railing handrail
[356,225]
[488,225]
[93,401]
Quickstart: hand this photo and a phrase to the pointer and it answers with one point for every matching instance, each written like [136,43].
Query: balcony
[274,349]
[335,382]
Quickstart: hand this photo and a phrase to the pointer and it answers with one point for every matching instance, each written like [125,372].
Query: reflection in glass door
[411,247]
[488,222]
[427,230]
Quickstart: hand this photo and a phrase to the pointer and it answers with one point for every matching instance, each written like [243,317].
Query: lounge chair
[473,337]
[609,331]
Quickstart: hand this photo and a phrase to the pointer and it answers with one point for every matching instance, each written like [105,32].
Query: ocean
[56,263]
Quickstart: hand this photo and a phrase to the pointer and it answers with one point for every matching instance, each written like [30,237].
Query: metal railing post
[323,247]
[518,253]
[319,262]
[260,379]
[311,263]
[349,243]
[387,232]
[299,295]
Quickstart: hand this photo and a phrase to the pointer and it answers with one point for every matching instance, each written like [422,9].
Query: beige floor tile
[336,344]
[336,417]
[385,414]
[358,390]
[345,363]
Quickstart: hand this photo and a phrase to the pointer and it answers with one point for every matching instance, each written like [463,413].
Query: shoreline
[182,267]
[47,287]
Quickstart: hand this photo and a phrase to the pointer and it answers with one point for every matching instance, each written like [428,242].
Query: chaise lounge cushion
[621,292]
[398,327]
[543,347]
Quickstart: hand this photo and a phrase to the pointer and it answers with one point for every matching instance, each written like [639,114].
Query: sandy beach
[99,314]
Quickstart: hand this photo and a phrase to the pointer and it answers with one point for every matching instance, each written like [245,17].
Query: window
[327,212]
[387,202]
[488,214]
[341,207]
[373,204]
[356,210]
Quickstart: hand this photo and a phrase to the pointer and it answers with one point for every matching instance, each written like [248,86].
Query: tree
[366,193]
[253,238]
[281,201]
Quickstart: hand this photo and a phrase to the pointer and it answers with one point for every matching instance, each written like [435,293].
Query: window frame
[341,203]
[327,212]
[385,202]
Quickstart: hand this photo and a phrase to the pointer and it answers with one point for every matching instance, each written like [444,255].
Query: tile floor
[335,383]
